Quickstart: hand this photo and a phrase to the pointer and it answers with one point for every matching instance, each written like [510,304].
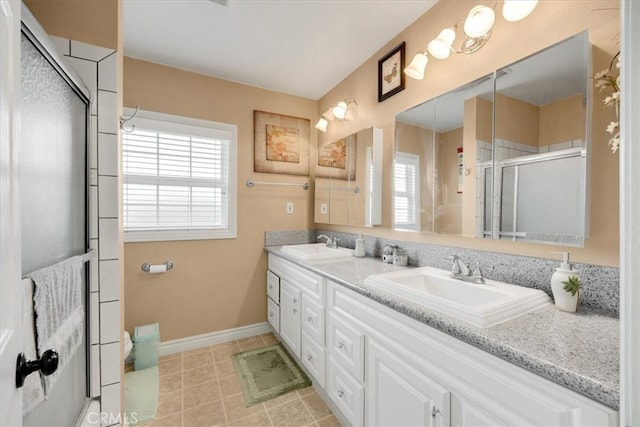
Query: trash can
[146,345]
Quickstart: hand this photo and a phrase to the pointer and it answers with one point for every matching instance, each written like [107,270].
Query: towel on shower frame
[59,312]
[33,388]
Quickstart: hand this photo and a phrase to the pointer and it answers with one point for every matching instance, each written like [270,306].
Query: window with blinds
[179,179]
[406,179]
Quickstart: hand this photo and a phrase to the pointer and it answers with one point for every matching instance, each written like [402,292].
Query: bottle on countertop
[564,300]
[359,250]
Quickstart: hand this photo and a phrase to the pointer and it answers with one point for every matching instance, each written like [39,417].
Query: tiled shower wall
[97,67]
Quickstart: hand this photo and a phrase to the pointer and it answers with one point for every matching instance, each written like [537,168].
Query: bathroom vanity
[382,360]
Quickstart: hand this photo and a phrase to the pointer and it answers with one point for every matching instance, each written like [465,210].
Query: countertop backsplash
[601,285]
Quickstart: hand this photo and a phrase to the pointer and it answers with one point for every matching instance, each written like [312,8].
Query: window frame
[413,160]
[197,128]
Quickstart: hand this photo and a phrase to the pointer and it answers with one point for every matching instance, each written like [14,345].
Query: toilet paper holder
[146,267]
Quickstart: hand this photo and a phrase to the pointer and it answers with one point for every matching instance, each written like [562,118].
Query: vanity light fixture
[343,110]
[477,31]
[515,10]
[415,70]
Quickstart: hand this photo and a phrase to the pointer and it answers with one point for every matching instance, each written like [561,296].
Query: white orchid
[605,82]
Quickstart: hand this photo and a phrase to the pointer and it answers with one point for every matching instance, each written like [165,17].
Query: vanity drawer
[273,314]
[345,392]
[313,320]
[273,286]
[313,358]
[310,283]
[346,345]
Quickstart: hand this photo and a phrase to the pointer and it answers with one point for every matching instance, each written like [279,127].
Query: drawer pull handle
[310,319]
[340,345]
[340,393]
[434,411]
[309,358]
[295,300]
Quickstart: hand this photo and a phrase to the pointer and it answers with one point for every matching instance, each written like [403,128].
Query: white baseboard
[197,341]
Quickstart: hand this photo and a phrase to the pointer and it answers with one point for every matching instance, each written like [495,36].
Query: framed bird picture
[390,75]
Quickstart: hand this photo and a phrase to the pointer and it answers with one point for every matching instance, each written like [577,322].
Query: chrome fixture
[328,240]
[477,31]
[343,110]
[461,271]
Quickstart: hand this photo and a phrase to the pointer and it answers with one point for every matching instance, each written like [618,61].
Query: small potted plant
[571,298]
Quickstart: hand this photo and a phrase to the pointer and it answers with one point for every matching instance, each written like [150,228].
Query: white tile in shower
[62,45]
[109,322]
[94,279]
[108,234]
[88,72]
[109,280]
[108,112]
[95,371]
[87,51]
[107,197]
[93,142]
[110,404]
[93,212]
[110,356]
[108,73]
[107,154]
[94,323]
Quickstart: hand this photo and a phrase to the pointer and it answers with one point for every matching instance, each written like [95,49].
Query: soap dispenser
[359,250]
[563,299]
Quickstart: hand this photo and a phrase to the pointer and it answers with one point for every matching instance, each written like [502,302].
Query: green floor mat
[141,395]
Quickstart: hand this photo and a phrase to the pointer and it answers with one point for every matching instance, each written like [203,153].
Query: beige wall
[563,120]
[91,21]
[448,201]
[215,284]
[517,121]
[551,21]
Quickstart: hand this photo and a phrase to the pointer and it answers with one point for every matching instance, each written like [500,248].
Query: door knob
[47,364]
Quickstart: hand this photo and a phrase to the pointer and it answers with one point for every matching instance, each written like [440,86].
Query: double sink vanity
[392,345]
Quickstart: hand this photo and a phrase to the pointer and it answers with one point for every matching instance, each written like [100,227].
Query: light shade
[415,70]
[322,124]
[515,10]
[340,110]
[479,22]
[440,47]
[352,111]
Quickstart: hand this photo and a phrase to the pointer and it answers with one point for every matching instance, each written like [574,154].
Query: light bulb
[440,47]
[479,22]
[322,124]
[340,110]
[415,70]
[515,10]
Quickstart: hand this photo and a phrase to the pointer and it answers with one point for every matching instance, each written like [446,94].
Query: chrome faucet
[331,242]
[461,271]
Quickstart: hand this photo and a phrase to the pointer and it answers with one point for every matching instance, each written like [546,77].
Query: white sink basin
[317,253]
[481,304]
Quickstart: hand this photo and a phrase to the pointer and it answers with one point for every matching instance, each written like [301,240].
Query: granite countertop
[579,351]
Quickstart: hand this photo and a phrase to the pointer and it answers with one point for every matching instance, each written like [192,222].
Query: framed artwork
[390,73]
[281,143]
[337,160]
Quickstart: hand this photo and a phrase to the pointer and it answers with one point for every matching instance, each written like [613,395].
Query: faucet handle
[477,274]
[336,242]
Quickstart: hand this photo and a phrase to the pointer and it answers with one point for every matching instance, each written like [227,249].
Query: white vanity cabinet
[416,375]
[302,315]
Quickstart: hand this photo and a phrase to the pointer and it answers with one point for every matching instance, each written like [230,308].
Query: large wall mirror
[348,185]
[503,157]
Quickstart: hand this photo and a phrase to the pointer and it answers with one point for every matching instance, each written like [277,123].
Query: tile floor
[200,388]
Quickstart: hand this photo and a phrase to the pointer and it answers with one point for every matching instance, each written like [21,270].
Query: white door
[398,394]
[10,247]
[290,316]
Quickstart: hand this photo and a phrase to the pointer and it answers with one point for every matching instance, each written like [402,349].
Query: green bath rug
[267,372]
[141,395]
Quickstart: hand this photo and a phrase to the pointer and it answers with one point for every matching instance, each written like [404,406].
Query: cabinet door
[290,316]
[401,395]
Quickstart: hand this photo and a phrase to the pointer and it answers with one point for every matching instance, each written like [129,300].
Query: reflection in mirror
[348,185]
[540,148]
[430,170]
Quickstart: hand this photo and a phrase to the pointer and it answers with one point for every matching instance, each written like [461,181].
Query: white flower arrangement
[611,85]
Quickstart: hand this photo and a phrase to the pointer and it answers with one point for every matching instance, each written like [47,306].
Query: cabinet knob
[340,345]
[310,319]
[434,411]
[295,300]
[295,310]
[340,393]
[309,358]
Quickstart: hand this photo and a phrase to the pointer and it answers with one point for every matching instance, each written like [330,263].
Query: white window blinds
[179,179]
[406,178]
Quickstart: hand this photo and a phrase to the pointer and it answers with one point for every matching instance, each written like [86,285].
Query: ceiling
[298,47]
